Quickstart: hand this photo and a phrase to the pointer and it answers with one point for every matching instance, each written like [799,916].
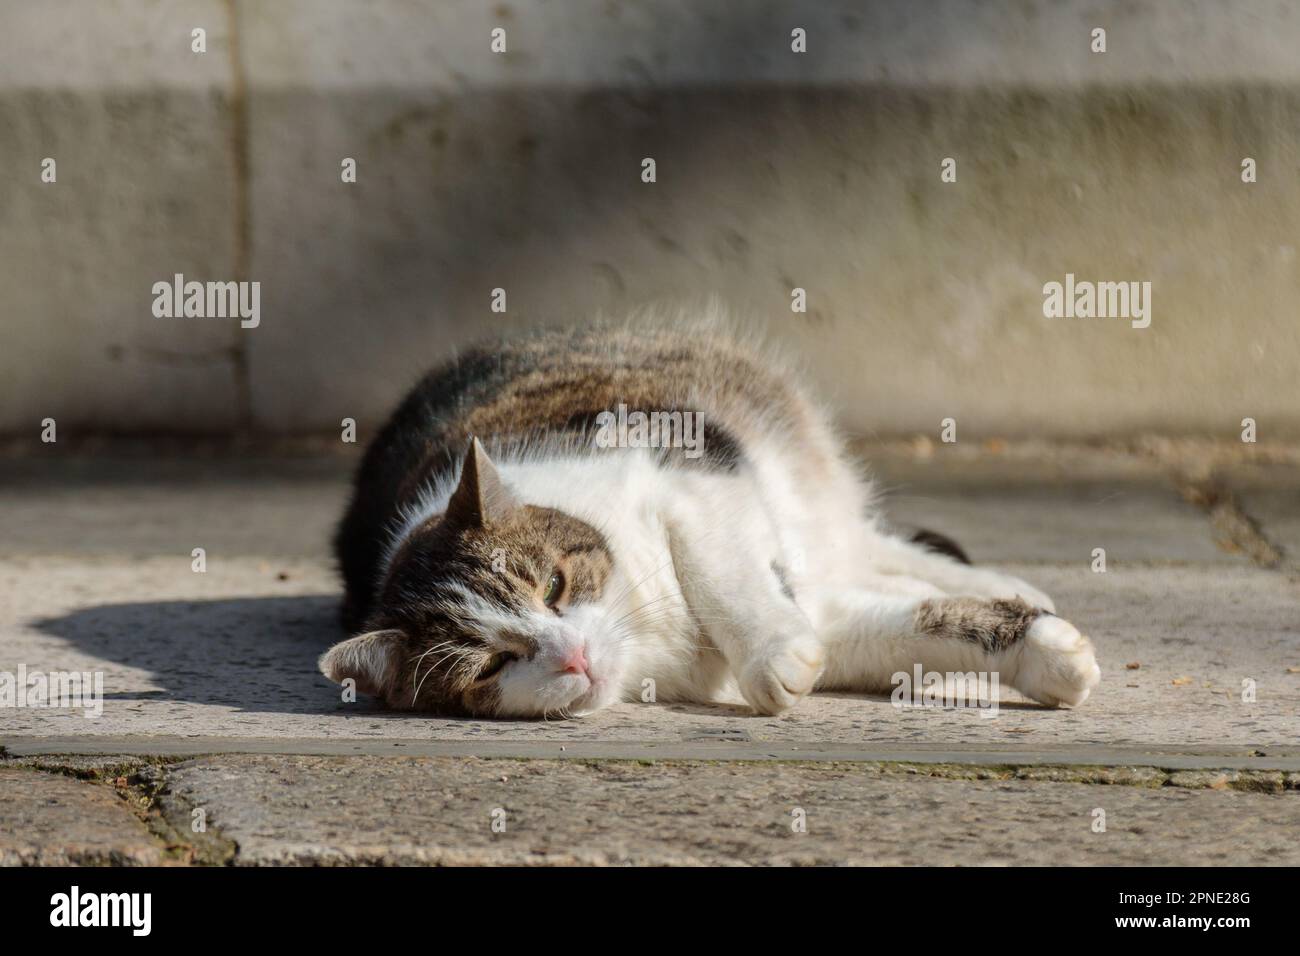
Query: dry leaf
[1180,681]
[1133,666]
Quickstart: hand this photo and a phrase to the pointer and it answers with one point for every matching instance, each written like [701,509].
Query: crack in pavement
[163,793]
[1237,532]
[141,783]
[1167,759]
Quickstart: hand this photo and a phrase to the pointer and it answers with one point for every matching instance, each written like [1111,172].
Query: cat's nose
[576,662]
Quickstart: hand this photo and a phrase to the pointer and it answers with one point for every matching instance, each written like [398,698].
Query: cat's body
[544,572]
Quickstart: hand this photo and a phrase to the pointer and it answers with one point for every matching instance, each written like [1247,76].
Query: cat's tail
[942,544]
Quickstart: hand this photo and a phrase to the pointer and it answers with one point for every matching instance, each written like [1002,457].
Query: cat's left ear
[372,660]
[480,498]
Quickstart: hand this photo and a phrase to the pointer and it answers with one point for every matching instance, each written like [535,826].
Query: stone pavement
[212,701]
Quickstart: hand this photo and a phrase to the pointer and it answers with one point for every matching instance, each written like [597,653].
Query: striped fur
[500,561]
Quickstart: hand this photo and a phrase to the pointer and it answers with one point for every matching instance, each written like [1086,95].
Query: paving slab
[52,820]
[52,504]
[349,810]
[216,670]
[99,578]
[231,653]
[1059,512]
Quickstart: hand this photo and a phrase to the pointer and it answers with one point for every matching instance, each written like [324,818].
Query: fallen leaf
[1133,666]
[1180,681]
[1293,670]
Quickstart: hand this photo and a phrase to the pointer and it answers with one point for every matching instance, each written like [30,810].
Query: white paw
[1057,664]
[775,680]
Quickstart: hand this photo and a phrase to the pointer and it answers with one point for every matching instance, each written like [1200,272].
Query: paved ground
[1199,600]
[273,809]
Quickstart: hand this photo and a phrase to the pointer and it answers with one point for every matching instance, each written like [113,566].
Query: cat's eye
[554,588]
[496,663]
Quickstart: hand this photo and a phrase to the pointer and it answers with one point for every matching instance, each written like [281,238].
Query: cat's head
[494,608]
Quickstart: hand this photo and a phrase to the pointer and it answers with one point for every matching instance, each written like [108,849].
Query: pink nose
[576,662]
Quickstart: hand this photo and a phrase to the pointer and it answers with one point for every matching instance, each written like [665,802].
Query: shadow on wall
[918,291]
[254,654]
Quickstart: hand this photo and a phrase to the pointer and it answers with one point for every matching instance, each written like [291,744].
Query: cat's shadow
[254,654]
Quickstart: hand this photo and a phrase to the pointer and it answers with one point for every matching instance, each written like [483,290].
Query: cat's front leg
[745,610]
[870,637]
[1055,664]
[1042,656]
[775,677]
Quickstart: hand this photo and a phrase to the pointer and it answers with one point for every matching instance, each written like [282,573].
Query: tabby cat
[554,523]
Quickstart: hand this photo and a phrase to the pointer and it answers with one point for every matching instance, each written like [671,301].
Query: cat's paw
[774,681]
[1057,664]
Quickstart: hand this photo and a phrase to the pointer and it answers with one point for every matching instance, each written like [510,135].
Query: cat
[507,552]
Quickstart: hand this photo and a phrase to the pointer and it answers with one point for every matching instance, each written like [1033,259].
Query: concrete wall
[775,170]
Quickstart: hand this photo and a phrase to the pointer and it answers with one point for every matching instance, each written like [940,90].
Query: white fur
[694,607]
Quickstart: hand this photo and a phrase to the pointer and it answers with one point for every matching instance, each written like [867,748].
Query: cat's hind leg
[952,574]
[871,636]
[940,544]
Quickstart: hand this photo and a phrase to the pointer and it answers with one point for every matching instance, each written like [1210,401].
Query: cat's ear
[372,660]
[480,498]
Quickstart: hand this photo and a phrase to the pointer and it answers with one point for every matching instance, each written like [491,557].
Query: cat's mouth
[591,699]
